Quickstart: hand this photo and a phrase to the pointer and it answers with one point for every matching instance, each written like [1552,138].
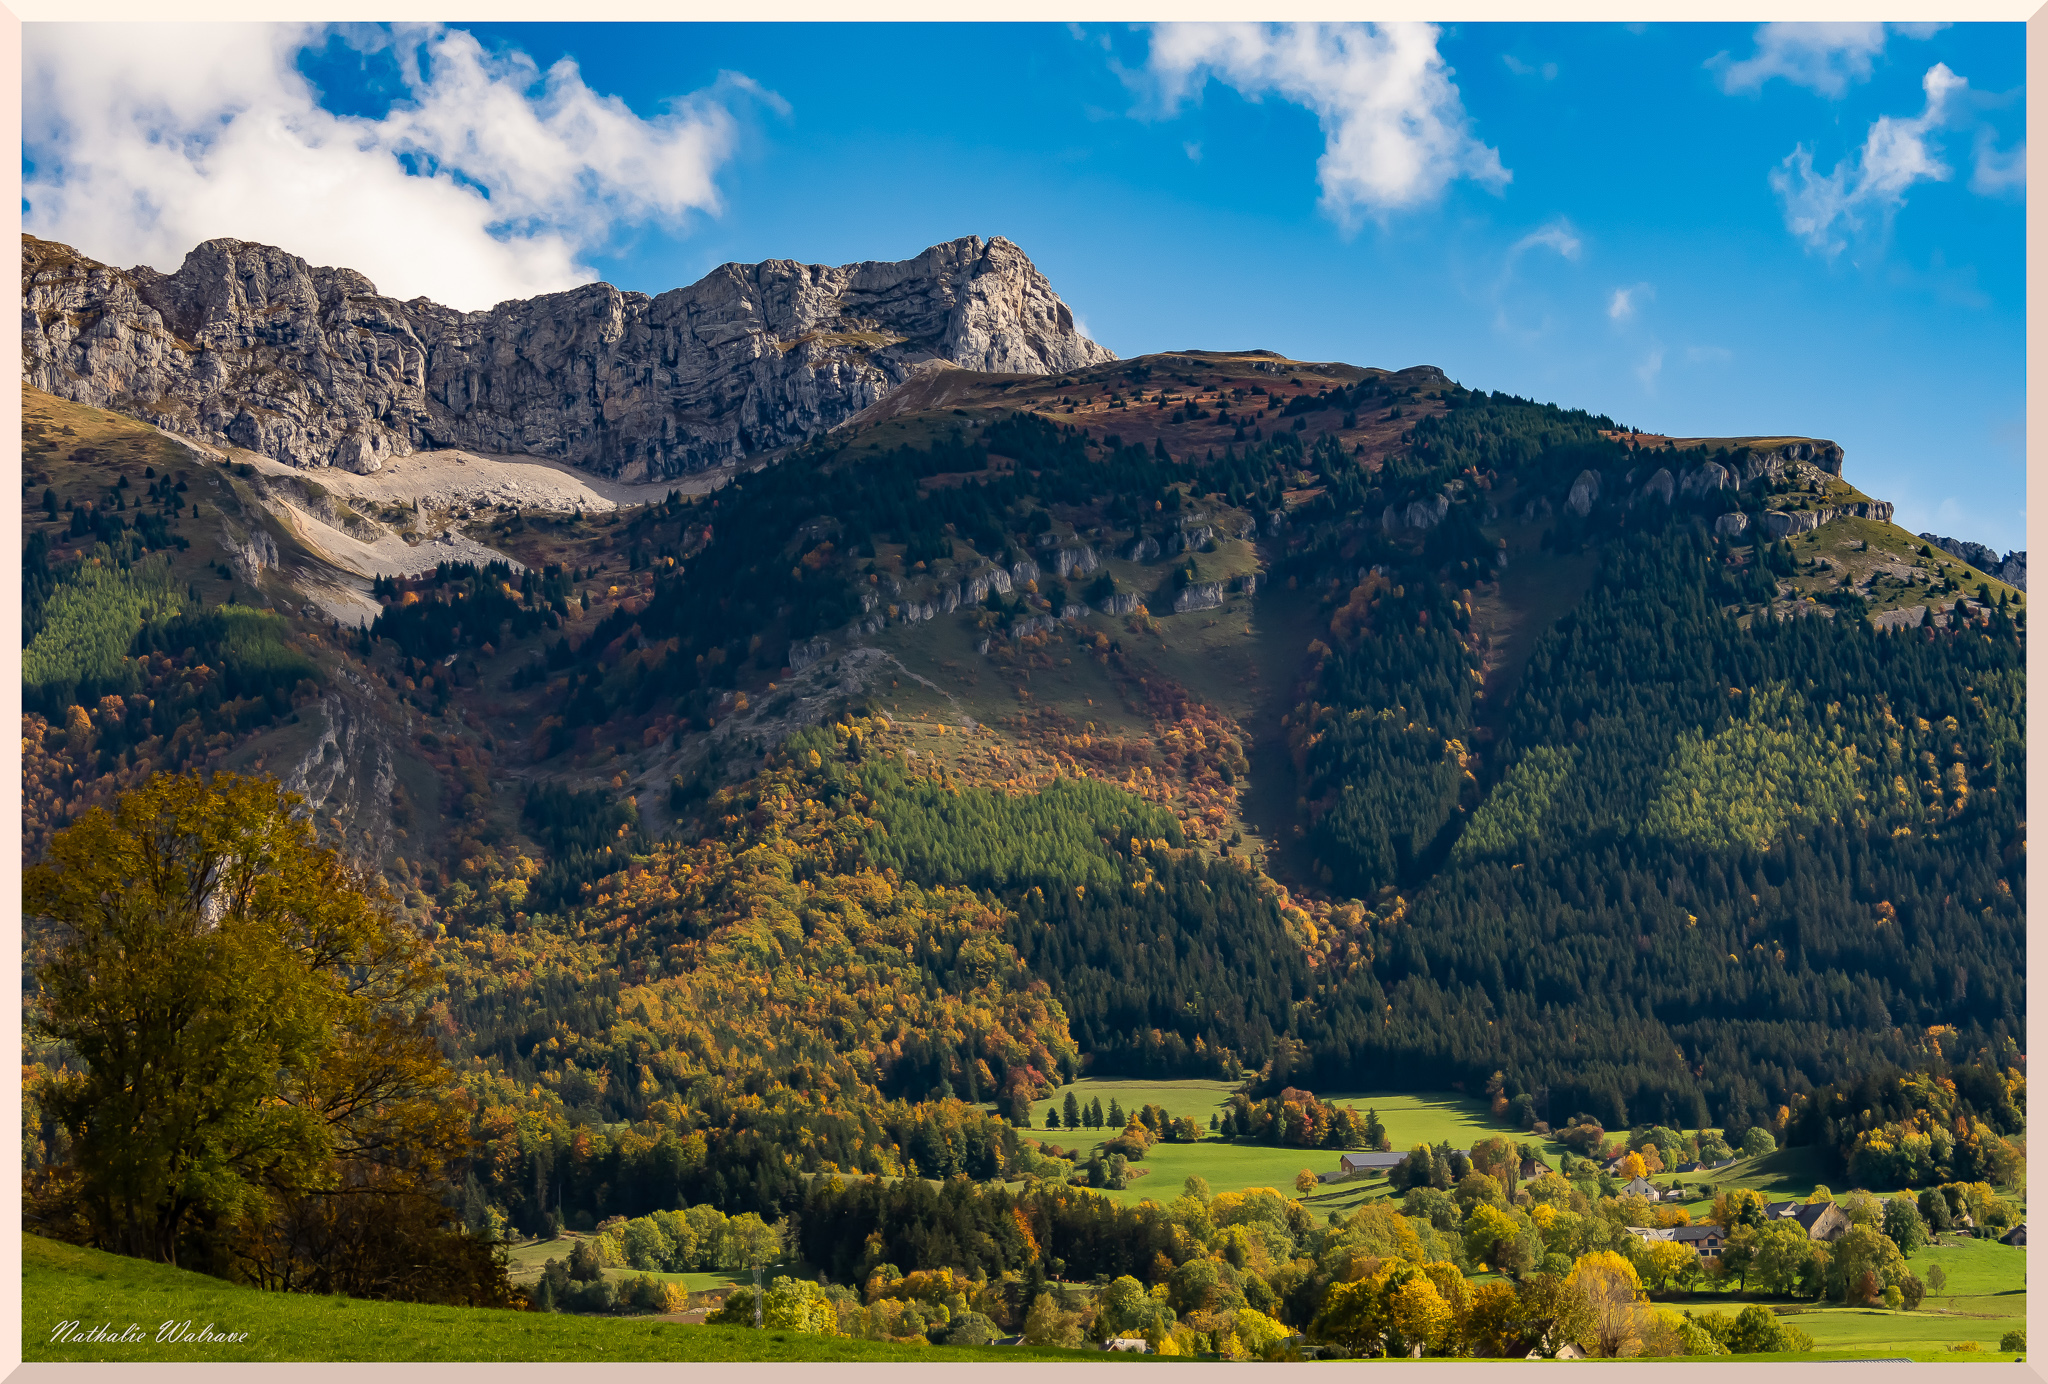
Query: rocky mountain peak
[249,345]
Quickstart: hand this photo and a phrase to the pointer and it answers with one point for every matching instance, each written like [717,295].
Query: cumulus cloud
[1822,210]
[1826,58]
[1395,129]
[487,179]
[1622,305]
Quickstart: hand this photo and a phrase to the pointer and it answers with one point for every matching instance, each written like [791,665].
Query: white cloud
[1193,150]
[1707,355]
[1896,154]
[488,178]
[1548,71]
[1647,370]
[1622,305]
[1395,131]
[1997,170]
[1561,239]
[1558,236]
[1824,57]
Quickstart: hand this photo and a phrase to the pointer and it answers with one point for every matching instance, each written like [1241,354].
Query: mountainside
[249,345]
[1205,714]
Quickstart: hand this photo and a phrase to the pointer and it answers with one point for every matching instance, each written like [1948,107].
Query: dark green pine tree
[1116,1114]
[1095,1113]
[1375,1132]
[1073,1111]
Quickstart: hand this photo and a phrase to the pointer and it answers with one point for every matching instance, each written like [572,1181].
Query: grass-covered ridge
[63,1283]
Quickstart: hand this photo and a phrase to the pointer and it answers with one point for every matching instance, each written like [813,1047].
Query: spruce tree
[1073,1111]
[1116,1114]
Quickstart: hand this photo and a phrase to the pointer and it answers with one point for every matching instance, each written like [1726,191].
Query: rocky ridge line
[2010,569]
[249,346]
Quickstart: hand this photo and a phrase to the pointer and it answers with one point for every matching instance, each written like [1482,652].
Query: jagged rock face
[2011,569]
[249,345]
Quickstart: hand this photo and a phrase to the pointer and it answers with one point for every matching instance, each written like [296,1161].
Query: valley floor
[62,1283]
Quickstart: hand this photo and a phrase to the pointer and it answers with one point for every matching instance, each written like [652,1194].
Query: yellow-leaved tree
[1611,1290]
[246,1080]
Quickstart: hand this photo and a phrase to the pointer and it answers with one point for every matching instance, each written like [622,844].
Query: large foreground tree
[245,1078]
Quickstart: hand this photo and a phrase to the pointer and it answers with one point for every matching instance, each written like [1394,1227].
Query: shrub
[969,1329]
[2013,1340]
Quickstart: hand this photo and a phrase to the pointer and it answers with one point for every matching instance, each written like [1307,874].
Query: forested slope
[1718,840]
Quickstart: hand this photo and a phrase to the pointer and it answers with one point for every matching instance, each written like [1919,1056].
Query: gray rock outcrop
[802,656]
[1075,561]
[1417,514]
[1783,523]
[2010,569]
[1706,479]
[1201,595]
[1820,454]
[249,345]
[1585,490]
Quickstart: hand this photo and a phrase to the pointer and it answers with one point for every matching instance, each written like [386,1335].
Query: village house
[1649,1191]
[1823,1221]
[1703,1240]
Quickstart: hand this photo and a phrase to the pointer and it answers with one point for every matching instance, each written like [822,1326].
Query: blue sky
[1716,229]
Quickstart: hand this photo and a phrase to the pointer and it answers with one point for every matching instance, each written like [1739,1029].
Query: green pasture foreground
[61,1283]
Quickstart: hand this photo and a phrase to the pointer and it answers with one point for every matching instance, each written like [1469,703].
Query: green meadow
[62,1283]
[1410,1119]
[527,1261]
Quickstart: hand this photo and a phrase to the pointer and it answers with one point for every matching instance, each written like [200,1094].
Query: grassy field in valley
[527,1261]
[63,1283]
[1985,1298]
[1410,1119]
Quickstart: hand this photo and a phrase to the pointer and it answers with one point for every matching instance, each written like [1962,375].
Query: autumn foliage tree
[245,1082]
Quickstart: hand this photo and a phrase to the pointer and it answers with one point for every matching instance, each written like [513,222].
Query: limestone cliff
[251,346]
